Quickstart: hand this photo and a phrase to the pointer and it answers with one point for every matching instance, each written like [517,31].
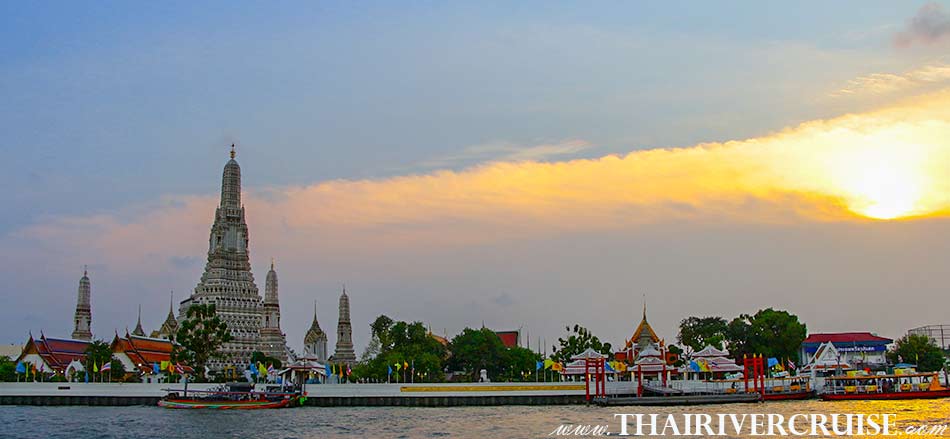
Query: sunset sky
[529,165]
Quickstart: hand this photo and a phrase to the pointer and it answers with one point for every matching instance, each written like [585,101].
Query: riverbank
[323,395]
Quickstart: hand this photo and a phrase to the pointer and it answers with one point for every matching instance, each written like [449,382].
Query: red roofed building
[53,354]
[862,349]
[139,354]
[509,338]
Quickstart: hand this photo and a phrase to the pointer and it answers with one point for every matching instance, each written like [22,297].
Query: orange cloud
[890,163]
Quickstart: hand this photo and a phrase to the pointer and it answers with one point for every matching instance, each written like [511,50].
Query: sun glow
[884,182]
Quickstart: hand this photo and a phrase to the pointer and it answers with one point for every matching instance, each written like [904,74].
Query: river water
[402,422]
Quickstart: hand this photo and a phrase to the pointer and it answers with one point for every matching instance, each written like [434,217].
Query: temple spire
[138,325]
[83,316]
[232,151]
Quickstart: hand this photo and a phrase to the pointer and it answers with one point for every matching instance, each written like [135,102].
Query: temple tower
[170,327]
[83,317]
[138,325]
[344,333]
[227,281]
[315,341]
[273,341]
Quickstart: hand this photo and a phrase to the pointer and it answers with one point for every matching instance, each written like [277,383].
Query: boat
[792,388]
[237,396]
[674,400]
[912,385]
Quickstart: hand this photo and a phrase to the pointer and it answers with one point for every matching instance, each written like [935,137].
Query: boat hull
[886,396]
[790,396]
[223,405]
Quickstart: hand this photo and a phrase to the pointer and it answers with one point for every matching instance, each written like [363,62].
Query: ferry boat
[776,388]
[896,386]
[233,398]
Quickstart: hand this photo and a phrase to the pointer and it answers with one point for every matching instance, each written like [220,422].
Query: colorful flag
[539,365]
[557,366]
[95,367]
[548,363]
[398,366]
[405,364]
[270,369]
[164,365]
[348,370]
[609,368]
[20,367]
[156,369]
[327,369]
[791,365]
[389,370]
[772,362]
[106,367]
[341,370]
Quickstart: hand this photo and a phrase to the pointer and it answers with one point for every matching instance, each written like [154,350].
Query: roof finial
[232,150]
[272,263]
[171,301]
[314,309]
[85,270]
[644,306]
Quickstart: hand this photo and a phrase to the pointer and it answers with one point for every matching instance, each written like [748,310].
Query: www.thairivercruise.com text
[754,424]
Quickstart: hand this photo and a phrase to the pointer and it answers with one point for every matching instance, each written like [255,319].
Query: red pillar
[587,379]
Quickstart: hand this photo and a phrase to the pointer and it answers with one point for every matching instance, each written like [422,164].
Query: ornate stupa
[344,333]
[273,341]
[170,326]
[83,317]
[315,341]
[227,281]
[138,325]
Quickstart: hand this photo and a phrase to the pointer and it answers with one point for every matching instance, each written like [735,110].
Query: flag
[405,364]
[398,366]
[261,370]
[106,367]
[791,365]
[340,368]
[704,366]
[557,366]
[87,376]
[164,365]
[95,367]
[327,369]
[155,368]
[348,370]
[389,370]
[609,368]
[539,365]
[694,366]
[179,368]
[548,363]
[772,362]
[270,369]
[20,367]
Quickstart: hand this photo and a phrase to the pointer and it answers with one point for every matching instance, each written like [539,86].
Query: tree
[477,349]
[401,342]
[579,340]
[698,332]
[772,333]
[520,364]
[7,369]
[260,357]
[200,337]
[919,349]
[97,354]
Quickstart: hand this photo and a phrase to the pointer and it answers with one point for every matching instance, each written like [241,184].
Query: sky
[529,165]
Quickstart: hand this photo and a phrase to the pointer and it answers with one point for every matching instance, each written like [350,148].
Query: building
[170,326]
[344,334]
[140,354]
[138,325]
[644,337]
[940,334]
[273,340]
[83,316]
[53,354]
[315,341]
[509,338]
[859,349]
[227,281]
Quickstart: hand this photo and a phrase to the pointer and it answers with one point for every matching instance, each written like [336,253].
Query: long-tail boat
[228,400]
[896,386]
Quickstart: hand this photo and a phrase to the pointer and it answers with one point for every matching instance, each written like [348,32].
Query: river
[404,422]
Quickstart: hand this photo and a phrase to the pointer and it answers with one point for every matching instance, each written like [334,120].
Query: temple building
[273,341]
[140,354]
[138,325]
[315,341]
[170,327]
[227,281]
[83,315]
[54,354]
[644,337]
[344,334]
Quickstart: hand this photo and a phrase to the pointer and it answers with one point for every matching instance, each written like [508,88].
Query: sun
[882,182]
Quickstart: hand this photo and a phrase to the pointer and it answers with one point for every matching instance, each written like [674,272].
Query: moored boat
[885,387]
[228,400]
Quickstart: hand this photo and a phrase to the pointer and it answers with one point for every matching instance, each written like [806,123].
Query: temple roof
[314,333]
[56,352]
[643,329]
[143,351]
[138,325]
[710,351]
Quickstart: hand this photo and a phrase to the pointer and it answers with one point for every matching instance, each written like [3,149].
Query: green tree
[698,332]
[680,358]
[919,349]
[773,333]
[97,354]
[477,349]
[578,340]
[401,342]
[200,337]
[7,369]
[520,364]
[260,357]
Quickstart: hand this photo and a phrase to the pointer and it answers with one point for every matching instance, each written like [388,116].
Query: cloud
[930,25]
[934,74]
[507,151]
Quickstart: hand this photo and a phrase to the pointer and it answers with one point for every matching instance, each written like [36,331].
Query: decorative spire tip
[232,151]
